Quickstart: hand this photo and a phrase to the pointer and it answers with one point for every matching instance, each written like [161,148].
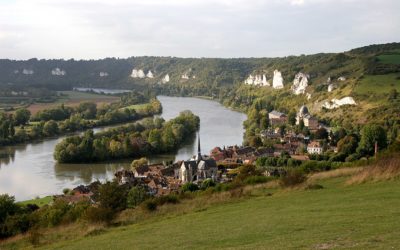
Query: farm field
[390,58]
[378,84]
[73,98]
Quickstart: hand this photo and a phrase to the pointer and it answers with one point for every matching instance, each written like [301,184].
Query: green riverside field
[339,216]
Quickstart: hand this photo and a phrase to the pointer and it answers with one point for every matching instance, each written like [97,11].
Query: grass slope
[364,216]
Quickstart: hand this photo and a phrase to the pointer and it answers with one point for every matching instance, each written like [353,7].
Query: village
[220,165]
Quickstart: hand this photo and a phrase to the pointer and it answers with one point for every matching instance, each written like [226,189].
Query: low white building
[315,147]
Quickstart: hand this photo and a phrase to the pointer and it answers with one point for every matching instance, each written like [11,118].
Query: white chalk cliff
[103,74]
[27,72]
[277,82]
[58,72]
[336,103]
[300,83]
[150,74]
[185,76]
[331,87]
[165,79]
[137,73]
[341,79]
[257,80]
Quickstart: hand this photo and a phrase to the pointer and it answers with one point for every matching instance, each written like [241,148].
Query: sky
[92,29]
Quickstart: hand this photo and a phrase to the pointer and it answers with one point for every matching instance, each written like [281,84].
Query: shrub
[189,187]
[292,178]
[136,196]
[171,198]
[99,214]
[252,180]
[150,205]
[314,187]
[207,183]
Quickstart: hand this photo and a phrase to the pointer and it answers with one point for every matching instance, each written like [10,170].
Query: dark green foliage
[150,205]
[189,187]
[207,184]
[22,116]
[112,196]
[252,180]
[347,145]
[136,196]
[371,134]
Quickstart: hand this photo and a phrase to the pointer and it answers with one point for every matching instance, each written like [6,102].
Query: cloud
[212,28]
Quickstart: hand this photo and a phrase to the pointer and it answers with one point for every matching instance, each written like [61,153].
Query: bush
[99,214]
[150,205]
[189,187]
[207,183]
[292,178]
[171,198]
[252,180]
[136,196]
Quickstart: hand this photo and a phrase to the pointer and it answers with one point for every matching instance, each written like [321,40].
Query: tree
[292,118]
[7,207]
[136,196]
[139,162]
[321,134]
[347,145]
[50,128]
[371,134]
[22,116]
[112,196]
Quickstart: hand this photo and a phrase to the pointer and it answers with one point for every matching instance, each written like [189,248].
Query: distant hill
[367,74]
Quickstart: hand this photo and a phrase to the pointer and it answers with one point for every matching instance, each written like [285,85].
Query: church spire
[198,148]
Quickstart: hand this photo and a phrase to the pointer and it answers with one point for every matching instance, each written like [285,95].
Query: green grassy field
[339,216]
[390,58]
[40,201]
[377,84]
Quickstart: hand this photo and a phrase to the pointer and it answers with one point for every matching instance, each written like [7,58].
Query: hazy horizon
[97,29]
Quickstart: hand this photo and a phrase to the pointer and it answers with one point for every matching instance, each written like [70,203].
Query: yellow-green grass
[339,216]
[377,84]
[38,201]
[390,58]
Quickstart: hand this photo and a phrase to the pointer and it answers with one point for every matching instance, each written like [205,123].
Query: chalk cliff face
[259,80]
[341,79]
[277,82]
[138,73]
[300,83]
[330,87]
[27,72]
[336,103]
[58,72]
[185,76]
[103,74]
[150,74]
[165,79]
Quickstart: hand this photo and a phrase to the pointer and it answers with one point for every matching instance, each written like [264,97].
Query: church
[198,168]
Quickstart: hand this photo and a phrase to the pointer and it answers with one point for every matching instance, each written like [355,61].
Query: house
[314,147]
[199,168]
[277,118]
[124,176]
[308,120]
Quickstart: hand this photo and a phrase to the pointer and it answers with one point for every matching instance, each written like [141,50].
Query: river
[29,170]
